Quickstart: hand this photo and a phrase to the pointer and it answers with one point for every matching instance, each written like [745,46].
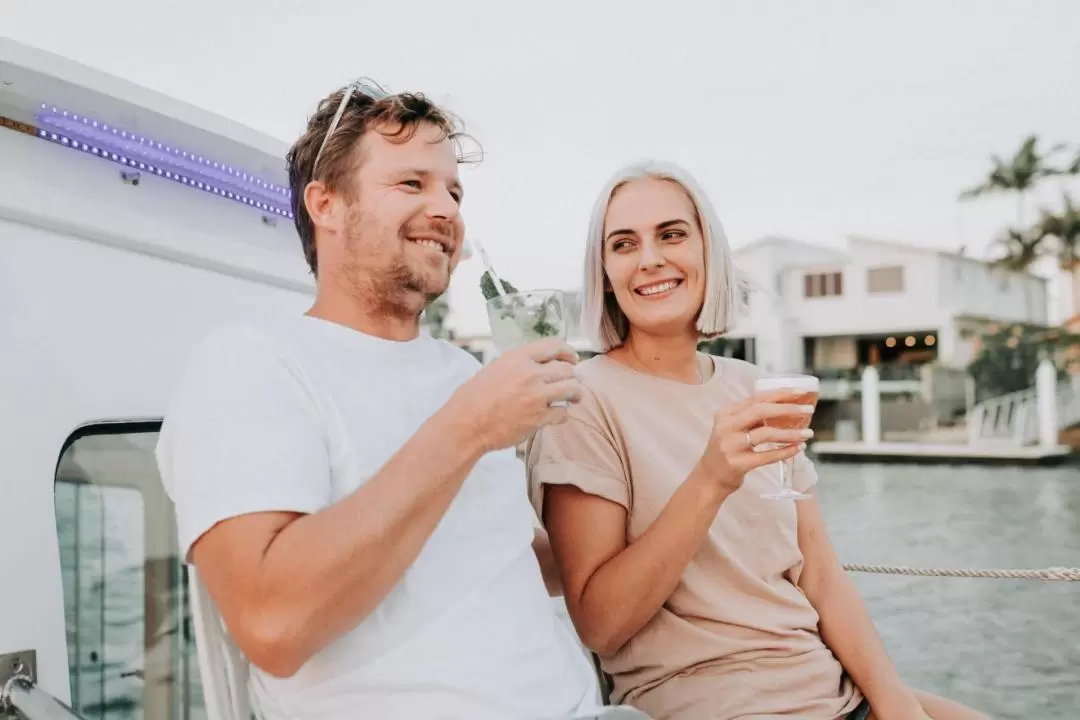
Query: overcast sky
[809,119]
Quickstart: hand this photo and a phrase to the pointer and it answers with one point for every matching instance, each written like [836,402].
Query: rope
[1055,573]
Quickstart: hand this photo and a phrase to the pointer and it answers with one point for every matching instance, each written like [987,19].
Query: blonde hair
[602,318]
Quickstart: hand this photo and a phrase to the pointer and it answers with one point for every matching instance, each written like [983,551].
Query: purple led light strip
[144,154]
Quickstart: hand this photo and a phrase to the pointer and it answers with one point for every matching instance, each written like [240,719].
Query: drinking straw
[487,264]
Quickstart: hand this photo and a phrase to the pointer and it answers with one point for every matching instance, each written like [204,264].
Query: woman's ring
[749,442]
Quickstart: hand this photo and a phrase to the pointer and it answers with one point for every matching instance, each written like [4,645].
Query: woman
[702,599]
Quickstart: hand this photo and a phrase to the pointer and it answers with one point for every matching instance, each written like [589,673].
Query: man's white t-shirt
[296,416]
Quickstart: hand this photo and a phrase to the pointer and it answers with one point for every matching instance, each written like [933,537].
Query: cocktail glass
[805,390]
[523,317]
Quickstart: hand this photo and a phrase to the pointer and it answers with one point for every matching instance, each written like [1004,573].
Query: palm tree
[1019,175]
[1072,168]
[1059,234]
[1063,229]
[1053,235]
[1021,248]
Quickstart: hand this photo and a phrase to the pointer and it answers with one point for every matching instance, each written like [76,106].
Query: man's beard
[398,291]
[406,290]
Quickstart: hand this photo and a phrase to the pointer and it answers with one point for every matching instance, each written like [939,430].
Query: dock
[989,453]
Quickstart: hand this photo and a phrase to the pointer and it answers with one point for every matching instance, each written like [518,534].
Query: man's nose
[442,205]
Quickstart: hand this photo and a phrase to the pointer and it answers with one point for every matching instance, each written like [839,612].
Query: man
[345,485]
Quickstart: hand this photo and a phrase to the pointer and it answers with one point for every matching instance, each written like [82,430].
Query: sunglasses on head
[364,86]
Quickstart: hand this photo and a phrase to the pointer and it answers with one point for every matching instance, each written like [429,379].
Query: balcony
[894,379]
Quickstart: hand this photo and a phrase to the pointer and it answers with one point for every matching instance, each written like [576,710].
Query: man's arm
[245,459]
[289,584]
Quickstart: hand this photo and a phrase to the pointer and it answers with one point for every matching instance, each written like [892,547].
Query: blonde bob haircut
[602,318]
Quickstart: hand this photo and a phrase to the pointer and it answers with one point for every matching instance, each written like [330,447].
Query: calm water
[1007,647]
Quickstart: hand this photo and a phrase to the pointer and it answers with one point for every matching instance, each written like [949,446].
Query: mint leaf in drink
[487,286]
[544,329]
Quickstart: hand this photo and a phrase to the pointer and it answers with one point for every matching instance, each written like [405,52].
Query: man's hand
[506,401]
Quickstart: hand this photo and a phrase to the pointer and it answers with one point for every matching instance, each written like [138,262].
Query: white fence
[1015,418]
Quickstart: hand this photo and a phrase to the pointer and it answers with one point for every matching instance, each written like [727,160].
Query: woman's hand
[758,420]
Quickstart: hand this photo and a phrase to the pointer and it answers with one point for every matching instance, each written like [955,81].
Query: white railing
[1014,417]
[1068,401]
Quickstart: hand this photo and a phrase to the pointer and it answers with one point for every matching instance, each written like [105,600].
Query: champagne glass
[519,318]
[804,389]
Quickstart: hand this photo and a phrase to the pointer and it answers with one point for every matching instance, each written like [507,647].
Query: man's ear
[319,203]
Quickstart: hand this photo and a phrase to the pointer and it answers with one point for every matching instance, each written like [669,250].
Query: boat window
[131,645]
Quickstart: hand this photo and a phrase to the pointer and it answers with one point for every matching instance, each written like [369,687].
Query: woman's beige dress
[737,638]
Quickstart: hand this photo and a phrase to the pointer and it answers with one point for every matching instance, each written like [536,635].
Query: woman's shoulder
[737,372]
[603,395]
[595,375]
[595,369]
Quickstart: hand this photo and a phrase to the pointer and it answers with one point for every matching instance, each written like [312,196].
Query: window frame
[823,284]
[181,691]
[105,427]
[870,272]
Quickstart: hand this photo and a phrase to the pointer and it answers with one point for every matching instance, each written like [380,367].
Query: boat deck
[914,452]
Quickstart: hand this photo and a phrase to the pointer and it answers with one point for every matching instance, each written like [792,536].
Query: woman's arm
[546,559]
[613,589]
[845,624]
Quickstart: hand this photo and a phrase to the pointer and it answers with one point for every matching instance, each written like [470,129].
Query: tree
[1072,168]
[1006,358]
[1021,248]
[1060,233]
[435,317]
[1019,175]
[1053,234]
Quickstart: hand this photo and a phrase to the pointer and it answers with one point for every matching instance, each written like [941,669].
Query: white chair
[222,667]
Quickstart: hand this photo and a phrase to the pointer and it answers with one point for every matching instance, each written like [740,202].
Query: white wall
[856,311]
[765,262]
[92,332]
[770,320]
[967,287]
[940,293]
[45,184]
